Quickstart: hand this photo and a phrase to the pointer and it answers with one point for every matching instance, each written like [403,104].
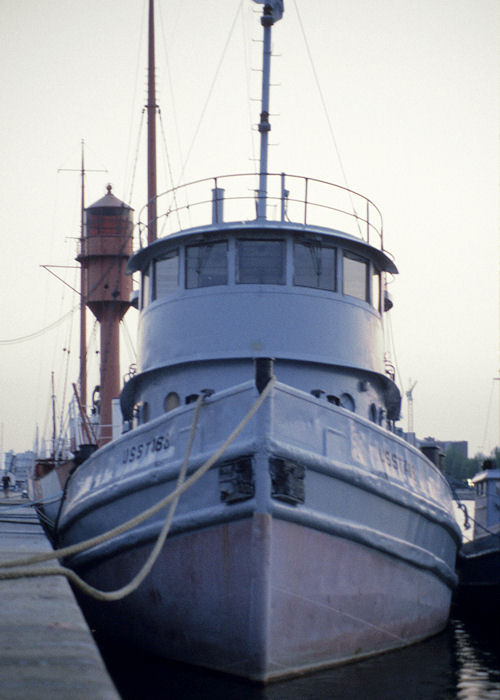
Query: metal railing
[289,199]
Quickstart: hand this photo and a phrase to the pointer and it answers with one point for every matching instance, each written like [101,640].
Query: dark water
[462,662]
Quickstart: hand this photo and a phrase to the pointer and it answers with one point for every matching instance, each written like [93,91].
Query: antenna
[272,12]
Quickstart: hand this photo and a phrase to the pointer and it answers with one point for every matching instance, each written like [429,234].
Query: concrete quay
[46,648]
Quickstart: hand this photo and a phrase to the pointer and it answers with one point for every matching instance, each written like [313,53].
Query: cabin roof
[109,200]
[486,475]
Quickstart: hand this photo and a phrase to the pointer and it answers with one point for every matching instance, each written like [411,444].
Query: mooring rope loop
[468,517]
[21,567]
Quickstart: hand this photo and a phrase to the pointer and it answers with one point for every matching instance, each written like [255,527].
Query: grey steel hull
[266,599]
[324,563]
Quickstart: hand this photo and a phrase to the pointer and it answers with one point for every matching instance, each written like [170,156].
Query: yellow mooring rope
[20,565]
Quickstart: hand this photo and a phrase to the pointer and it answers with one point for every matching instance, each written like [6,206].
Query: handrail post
[217,203]
[367,221]
[305,200]
[284,196]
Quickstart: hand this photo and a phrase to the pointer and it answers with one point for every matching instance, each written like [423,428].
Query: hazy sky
[411,91]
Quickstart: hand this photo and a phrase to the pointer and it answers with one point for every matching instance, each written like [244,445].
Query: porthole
[347,402]
[172,400]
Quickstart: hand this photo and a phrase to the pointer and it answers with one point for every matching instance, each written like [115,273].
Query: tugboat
[306,532]
[478,563]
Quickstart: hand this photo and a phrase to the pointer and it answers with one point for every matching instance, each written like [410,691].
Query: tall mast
[83,315]
[273,11]
[53,399]
[83,306]
[151,109]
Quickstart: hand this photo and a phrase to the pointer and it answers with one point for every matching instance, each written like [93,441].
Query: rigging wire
[128,339]
[67,350]
[488,413]
[172,106]
[327,116]
[249,92]
[42,331]
[210,91]
[92,352]
[392,348]
[169,169]
[136,156]
[138,64]
[172,93]
[54,324]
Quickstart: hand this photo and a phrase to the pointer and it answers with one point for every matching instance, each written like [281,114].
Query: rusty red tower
[106,247]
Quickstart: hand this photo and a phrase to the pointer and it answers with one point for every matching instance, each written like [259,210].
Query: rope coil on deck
[173,498]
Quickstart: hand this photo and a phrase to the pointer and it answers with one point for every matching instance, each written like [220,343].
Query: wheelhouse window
[314,265]
[206,265]
[376,296]
[261,262]
[166,274]
[145,288]
[355,276]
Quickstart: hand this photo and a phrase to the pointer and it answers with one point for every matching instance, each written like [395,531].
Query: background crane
[409,396]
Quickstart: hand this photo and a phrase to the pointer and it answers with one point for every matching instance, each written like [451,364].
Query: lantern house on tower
[106,247]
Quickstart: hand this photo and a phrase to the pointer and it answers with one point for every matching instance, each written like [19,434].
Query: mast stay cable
[210,91]
[136,155]
[138,64]
[327,115]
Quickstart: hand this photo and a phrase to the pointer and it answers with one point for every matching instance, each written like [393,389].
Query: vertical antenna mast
[273,11]
[151,109]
